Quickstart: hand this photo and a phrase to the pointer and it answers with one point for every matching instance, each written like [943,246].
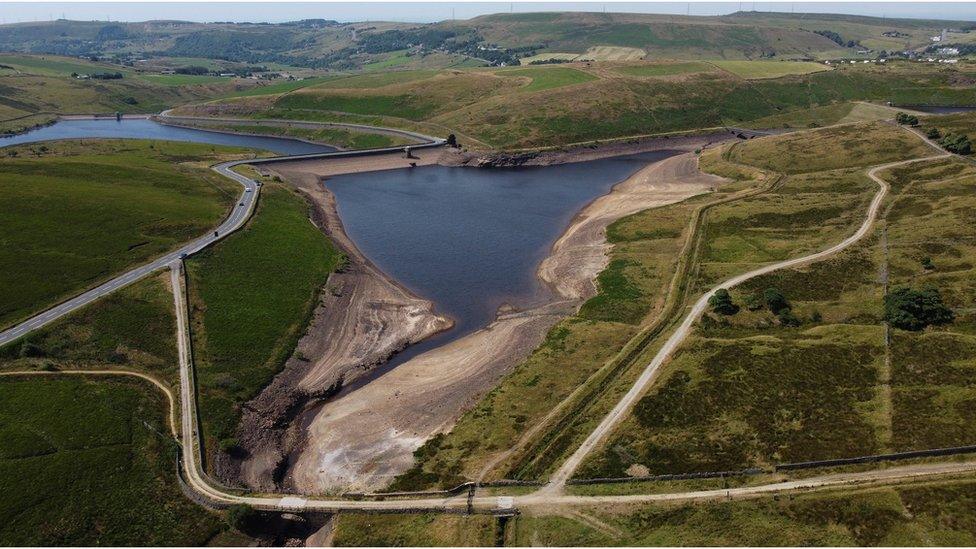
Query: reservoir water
[935,109]
[468,239]
[140,128]
[471,239]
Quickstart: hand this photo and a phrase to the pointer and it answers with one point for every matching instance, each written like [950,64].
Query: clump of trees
[721,302]
[911,309]
[775,300]
[771,298]
[836,38]
[906,119]
[240,516]
[777,304]
[957,144]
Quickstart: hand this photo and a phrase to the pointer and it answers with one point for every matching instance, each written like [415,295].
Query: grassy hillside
[32,84]
[132,328]
[837,395]
[90,462]
[558,105]
[658,36]
[117,204]
[251,297]
[934,514]
[486,40]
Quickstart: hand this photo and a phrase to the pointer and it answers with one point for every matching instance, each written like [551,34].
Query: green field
[91,462]
[335,136]
[251,296]
[53,65]
[280,87]
[182,79]
[751,70]
[665,69]
[922,515]
[545,78]
[841,147]
[42,84]
[963,123]
[132,328]
[424,530]
[826,115]
[492,109]
[754,389]
[932,393]
[117,204]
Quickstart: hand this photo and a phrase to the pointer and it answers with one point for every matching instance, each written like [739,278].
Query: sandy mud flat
[362,439]
[363,317]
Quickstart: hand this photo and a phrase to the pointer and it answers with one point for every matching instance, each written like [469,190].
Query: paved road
[236,218]
[241,211]
[619,412]
[548,495]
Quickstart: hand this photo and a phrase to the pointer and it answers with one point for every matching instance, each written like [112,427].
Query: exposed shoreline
[363,317]
[363,439]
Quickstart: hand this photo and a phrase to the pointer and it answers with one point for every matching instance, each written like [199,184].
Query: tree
[906,119]
[910,309]
[933,133]
[787,318]
[721,302]
[957,144]
[452,140]
[775,300]
[240,515]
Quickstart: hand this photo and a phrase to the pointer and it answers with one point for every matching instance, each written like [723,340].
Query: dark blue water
[471,239]
[935,109]
[147,129]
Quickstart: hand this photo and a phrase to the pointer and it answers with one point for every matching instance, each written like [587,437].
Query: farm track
[551,494]
[589,393]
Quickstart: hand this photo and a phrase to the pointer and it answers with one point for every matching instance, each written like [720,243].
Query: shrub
[775,300]
[240,516]
[31,350]
[907,119]
[910,309]
[754,302]
[228,445]
[957,144]
[933,133]
[927,264]
[721,302]
[787,318]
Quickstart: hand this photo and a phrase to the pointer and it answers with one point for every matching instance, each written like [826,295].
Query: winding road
[242,210]
[552,493]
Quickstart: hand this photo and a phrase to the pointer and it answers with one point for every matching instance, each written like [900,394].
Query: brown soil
[363,439]
[363,317]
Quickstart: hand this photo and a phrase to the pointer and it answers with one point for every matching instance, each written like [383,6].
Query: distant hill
[487,40]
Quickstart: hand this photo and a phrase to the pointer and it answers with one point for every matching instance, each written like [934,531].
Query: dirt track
[606,426]
[363,439]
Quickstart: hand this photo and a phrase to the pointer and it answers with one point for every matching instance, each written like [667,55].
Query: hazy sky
[435,11]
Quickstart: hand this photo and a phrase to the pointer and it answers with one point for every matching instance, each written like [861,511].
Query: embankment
[363,439]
